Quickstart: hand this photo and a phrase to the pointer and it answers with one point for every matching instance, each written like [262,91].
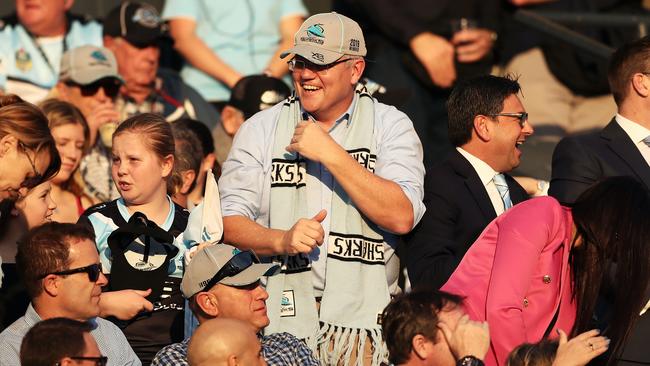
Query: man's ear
[208,303]
[641,84]
[51,284]
[109,42]
[62,91]
[357,70]
[421,347]
[232,360]
[67,361]
[68,4]
[482,127]
[231,119]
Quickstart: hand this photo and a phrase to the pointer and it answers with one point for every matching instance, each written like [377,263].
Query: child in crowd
[187,166]
[70,131]
[36,208]
[139,237]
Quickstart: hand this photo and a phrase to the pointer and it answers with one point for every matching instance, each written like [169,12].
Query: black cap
[254,93]
[138,23]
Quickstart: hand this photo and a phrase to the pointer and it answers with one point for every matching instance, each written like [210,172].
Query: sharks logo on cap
[99,56]
[316,30]
[146,16]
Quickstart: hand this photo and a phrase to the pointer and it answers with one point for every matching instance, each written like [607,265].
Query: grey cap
[208,261]
[86,64]
[324,38]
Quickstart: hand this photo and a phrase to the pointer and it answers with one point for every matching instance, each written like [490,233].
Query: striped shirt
[278,349]
[110,339]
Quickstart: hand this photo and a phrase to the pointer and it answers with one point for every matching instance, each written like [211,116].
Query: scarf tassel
[335,345]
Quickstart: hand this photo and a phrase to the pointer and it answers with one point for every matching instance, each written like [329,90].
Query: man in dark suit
[487,123]
[621,148]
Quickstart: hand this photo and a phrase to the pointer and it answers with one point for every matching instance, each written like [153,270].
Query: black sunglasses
[111,87]
[92,270]
[296,65]
[99,361]
[233,267]
[33,181]
[522,116]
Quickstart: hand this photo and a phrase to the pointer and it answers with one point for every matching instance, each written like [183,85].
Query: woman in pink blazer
[539,267]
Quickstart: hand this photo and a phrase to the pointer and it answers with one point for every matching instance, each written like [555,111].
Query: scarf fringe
[334,345]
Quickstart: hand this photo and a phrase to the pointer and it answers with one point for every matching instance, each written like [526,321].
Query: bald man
[225,342]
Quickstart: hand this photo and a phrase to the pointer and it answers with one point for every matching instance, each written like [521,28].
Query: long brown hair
[612,263]
[60,113]
[29,125]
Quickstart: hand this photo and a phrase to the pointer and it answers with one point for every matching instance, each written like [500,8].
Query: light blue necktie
[647,141]
[500,181]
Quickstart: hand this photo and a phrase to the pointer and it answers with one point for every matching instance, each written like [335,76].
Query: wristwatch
[469,361]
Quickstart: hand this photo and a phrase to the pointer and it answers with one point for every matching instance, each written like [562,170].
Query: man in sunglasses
[61,341]
[487,124]
[61,271]
[223,282]
[134,32]
[89,79]
[330,177]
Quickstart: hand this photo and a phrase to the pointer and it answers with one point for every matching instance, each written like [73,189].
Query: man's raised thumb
[320,216]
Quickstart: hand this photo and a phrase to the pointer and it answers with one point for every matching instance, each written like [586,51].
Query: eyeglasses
[92,270]
[99,361]
[299,66]
[111,87]
[522,116]
[233,267]
[33,181]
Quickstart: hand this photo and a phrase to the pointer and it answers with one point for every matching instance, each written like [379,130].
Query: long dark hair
[612,220]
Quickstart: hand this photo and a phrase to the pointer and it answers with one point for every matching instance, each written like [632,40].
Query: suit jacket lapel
[517,192]
[473,184]
[621,144]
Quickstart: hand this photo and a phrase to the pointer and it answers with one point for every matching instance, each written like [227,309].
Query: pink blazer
[516,276]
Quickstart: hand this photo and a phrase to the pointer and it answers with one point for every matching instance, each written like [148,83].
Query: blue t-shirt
[244,34]
[24,70]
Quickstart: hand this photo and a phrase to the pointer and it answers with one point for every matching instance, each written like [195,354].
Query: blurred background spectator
[89,80]
[208,162]
[420,50]
[250,95]
[133,32]
[222,43]
[187,165]
[33,40]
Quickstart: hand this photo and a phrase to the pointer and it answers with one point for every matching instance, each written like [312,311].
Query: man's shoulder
[10,340]
[173,354]
[280,348]
[280,338]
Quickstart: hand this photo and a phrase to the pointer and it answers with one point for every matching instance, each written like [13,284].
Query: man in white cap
[89,79]
[326,181]
[222,281]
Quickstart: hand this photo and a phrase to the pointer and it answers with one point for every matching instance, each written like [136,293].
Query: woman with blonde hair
[71,134]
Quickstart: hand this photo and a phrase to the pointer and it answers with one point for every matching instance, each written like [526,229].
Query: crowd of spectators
[368,186]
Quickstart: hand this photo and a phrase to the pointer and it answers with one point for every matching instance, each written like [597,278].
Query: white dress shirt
[485,174]
[637,133]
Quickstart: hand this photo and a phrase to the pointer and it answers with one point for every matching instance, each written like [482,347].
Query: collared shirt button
[525,302]
[546,279]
